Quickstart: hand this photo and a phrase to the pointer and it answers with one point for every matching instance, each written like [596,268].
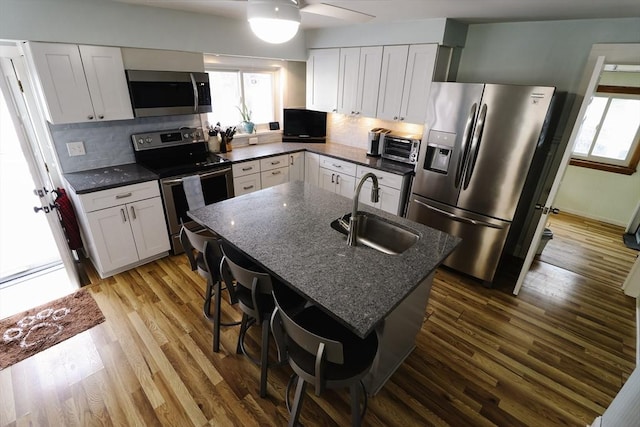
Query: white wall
[111,23]
[604,196]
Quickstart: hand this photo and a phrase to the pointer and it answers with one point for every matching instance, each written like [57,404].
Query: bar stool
[194,247]
[324,353]
[254,292]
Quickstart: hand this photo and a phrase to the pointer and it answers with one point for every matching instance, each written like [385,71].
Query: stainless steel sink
[378,233]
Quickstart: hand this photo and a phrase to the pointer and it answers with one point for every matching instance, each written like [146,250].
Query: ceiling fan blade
[335,12]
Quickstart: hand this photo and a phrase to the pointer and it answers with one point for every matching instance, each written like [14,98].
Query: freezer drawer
[483,238]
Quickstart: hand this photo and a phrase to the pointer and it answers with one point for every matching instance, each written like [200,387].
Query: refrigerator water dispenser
[439,150]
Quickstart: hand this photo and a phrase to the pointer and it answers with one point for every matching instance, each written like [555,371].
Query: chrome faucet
[352,237]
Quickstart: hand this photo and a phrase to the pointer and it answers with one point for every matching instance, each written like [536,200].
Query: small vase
[247,127]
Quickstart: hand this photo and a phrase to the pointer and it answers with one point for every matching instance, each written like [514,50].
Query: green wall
[555,53]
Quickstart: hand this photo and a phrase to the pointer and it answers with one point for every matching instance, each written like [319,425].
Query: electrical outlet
[253,140]
[76,148]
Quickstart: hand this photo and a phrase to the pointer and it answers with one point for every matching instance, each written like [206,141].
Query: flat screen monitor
[300,125]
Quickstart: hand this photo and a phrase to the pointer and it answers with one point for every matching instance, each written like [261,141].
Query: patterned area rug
[37,329]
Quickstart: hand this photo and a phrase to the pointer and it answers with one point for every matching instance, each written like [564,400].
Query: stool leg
[297,403]
[243,330]
[354,391]
[216,322]
[264,353]
[206,308]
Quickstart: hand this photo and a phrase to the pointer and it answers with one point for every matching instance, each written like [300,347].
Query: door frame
[31,131]
[600,54]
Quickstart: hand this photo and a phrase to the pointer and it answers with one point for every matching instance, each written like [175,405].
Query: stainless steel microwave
[166,93]
[401,148]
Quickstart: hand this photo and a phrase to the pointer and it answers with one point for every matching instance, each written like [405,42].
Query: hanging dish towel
[193,191]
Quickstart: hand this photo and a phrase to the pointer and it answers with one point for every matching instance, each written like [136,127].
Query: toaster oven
[401,148]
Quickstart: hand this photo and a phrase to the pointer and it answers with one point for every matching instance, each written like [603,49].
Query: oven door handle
[203,175]
[195,93]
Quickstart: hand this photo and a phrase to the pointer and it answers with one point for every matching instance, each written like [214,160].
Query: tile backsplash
[109,143]
[354,131]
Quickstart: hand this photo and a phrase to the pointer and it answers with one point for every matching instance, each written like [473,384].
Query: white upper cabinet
[322,79]
[358,80]
[407,72]
[80,83]
[394,65]
[369,80]
[417,82]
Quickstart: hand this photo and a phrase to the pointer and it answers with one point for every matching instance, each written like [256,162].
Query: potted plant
[246,125]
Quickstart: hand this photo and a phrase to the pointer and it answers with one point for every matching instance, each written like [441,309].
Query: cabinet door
[348,80]
[394,65]
[107,83]
[327,180]
[388,200]
[296,166]
[322,79]
[370,65]
[345,185]
[61,81]
[149,228]
[112,237]
[274,177]
[311,168]
[420,65]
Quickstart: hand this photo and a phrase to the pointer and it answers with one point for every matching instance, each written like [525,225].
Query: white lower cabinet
[273,177]
[311,168]
[297,166]
[391,190]
[246,177]
[123,227]
[337,176]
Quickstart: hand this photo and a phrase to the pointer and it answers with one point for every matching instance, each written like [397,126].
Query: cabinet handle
[101,117]
[291,160]
[395,117]
[276,173]
[275,163]
[90,117]
[332,177]
[401,118]
[247,188]
[336,166]
[337,179]
[123,196]
[124,216]
[133,213]
[247,169]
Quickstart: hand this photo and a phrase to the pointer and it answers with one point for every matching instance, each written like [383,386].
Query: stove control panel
[167,138]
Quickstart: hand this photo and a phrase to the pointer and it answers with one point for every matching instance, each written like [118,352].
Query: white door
[296,166]
[613,53]
[113,237]
[394,65]
[369,81]
[322,79]
[31,132]
[348,80]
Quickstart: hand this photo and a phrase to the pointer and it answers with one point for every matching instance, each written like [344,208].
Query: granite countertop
[110,177]
[332,149]
[287,230]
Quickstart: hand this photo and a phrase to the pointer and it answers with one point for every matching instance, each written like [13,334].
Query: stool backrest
[324,348]
[193,244]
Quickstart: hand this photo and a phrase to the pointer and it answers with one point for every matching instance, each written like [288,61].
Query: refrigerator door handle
[475,146]
[459,218]
[466,136]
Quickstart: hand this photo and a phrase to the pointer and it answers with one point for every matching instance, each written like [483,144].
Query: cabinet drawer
[384,178]
[246,184]
[274,177]
[246,168]
[338,165]
[274,162]
[118,196]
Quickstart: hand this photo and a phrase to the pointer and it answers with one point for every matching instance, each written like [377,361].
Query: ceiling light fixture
[274,21]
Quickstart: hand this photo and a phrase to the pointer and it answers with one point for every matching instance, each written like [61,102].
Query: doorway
[27,245]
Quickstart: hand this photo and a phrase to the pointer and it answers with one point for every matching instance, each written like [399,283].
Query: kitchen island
[286,229]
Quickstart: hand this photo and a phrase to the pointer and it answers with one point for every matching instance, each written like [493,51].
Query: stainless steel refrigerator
[478,144]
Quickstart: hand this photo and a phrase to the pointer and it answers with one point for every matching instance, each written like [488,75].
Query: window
[609,134]
[229,88]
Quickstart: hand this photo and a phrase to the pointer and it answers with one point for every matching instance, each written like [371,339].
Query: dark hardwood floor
[555,355]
